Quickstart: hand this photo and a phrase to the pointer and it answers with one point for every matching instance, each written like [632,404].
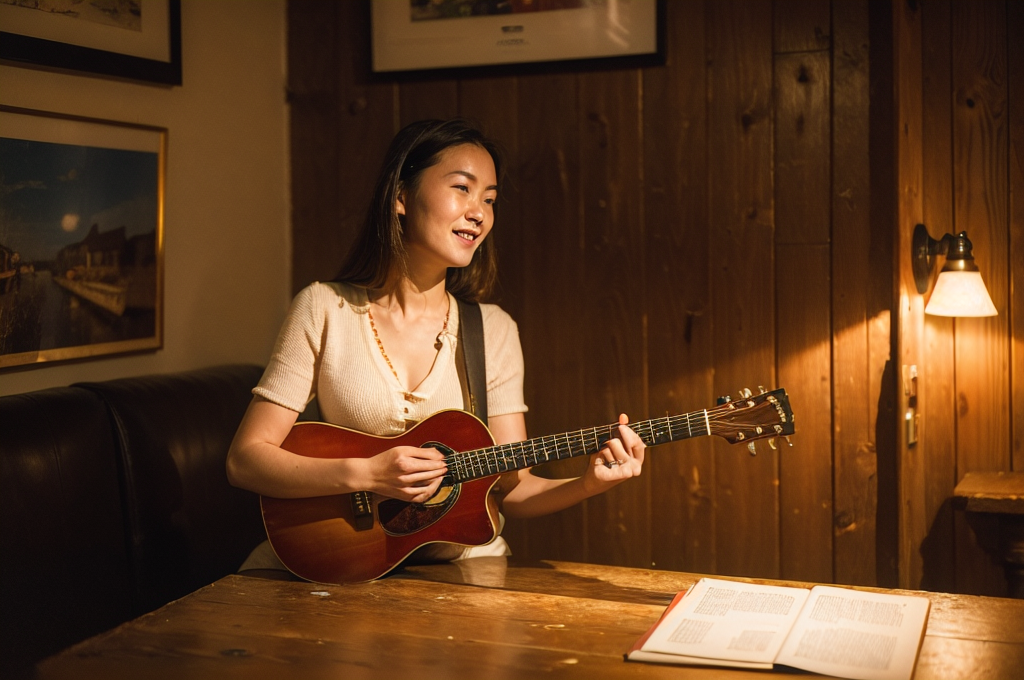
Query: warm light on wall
[959,290]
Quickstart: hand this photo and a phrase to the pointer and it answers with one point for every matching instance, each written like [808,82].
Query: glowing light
[69,222]
[960,293]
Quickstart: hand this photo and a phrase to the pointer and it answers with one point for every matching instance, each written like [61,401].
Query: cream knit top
[326,350]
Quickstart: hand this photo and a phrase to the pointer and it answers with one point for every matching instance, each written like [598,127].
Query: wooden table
[1000,494]
[479,619]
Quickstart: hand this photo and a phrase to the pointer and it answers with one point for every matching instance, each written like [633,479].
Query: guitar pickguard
[401,518]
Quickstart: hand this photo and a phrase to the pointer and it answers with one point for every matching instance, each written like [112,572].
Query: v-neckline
[428,385]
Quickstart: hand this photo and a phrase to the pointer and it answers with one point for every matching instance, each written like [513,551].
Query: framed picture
[131,39]
[81,237]
[414,35]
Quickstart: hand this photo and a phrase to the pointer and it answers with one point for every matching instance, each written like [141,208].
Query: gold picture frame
[81,237]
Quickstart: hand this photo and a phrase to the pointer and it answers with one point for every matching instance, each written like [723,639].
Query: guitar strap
[469,359]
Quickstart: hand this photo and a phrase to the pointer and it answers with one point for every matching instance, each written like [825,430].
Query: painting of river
[80,238]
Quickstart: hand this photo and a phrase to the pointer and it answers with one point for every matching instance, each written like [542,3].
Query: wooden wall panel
[677,233]
[613,338]
[802,99]
[802,25]
[678,295]
[314,100]
[803,129]
[980,163]
[742,281]
[909,462]
[855,265]
[551,317]
[936,386]
[428,98]
[1015,79]
[805,370]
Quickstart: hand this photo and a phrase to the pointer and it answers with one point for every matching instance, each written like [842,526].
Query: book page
[855,634]
[729,621]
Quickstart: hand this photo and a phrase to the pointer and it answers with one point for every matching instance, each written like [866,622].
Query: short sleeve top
[326,350]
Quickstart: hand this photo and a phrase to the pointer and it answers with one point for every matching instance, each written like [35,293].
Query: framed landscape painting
[81,237]
[415,35]
[131,39]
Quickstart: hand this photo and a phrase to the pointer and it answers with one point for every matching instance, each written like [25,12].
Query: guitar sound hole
[401,518]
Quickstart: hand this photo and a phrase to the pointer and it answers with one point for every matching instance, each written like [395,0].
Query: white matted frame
[59,35]
[81,237]
[417,35]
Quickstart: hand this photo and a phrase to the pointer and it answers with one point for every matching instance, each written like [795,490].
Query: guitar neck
[493,460]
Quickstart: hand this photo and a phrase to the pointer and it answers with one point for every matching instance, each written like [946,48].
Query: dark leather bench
[114,501]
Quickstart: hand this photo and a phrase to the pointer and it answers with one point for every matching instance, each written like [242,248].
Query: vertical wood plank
[1015,78]
[551,319]
[803,130]
[854,265]
[314,139]
[907,61]
[802,98]
[980,134]
[742,249]
[802,25]
[614,380]
[805,370]
[936,385]
[678,277]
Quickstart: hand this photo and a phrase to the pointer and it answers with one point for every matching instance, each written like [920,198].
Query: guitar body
[361,536]
[358,536]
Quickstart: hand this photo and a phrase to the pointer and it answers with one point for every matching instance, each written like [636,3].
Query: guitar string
[481,459]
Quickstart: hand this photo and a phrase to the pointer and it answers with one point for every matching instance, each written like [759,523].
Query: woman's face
[451,209]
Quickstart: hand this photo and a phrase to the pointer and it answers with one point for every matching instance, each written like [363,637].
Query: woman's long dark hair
[378,254]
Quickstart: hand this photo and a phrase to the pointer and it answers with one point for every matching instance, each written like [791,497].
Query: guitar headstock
[752,417]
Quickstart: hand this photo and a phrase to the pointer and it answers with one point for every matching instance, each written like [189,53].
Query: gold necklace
[380,345]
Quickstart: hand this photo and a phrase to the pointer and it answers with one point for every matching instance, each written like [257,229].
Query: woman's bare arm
[534,496]
[257,462]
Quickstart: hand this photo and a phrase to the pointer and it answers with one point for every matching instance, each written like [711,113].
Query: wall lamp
[959,290]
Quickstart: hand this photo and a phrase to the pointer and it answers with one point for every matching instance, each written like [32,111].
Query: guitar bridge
[362,510]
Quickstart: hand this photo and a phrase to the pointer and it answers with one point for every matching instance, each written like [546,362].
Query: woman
[376,348]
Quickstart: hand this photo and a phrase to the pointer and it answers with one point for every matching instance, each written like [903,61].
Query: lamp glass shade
[960,294]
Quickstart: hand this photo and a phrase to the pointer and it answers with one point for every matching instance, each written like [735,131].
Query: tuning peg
[752,449]
[724,400]
[788,440]
[745,393]
[771,443]
[761,389]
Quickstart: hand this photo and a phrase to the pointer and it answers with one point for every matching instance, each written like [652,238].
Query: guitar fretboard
[468,465]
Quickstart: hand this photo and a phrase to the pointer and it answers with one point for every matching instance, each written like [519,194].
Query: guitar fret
[524,454]
[499,459]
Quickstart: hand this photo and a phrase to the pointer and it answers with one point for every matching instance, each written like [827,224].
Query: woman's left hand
[620,459]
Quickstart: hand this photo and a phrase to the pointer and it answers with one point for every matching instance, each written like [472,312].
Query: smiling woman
[377,350]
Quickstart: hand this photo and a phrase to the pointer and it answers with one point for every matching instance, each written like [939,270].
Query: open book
[834,631]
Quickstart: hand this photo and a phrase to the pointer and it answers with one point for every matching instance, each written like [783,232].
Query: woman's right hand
[407,473]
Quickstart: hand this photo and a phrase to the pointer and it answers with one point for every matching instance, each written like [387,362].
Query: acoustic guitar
[361,536]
